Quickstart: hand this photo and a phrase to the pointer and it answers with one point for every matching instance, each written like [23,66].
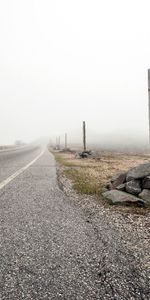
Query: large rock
[119,197]
[118,179]
[133,187]
[121,187]
[104,189]
[138,172]
[145,195]
[146,183]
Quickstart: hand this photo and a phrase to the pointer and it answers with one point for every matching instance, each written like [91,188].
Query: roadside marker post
[84,136]
[149,101]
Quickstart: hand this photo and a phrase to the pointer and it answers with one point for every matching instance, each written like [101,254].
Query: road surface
[51,250]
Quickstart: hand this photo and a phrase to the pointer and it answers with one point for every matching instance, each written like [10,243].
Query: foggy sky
[62,62]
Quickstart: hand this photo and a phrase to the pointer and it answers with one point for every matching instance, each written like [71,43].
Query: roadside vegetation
[90,175]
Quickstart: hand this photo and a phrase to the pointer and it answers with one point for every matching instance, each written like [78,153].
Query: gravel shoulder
[125,236]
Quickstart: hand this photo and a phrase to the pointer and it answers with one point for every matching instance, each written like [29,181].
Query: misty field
[90,175]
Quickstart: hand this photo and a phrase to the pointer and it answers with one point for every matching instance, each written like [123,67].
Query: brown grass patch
[90,175]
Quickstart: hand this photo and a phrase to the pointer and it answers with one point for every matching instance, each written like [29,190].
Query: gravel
[58,245]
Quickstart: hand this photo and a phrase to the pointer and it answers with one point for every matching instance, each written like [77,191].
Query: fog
[62,62]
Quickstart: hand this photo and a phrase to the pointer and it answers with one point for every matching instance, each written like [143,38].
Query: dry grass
[90,175]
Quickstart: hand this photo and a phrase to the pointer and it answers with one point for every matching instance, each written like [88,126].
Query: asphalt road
[49,250]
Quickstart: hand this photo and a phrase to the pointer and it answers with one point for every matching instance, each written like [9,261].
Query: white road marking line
[13,176]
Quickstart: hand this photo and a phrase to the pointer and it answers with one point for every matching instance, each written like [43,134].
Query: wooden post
[149,101]
[59,142]
[65,141]
[56,142]
[84,136]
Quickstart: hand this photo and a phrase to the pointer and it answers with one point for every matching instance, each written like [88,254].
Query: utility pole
[65,141]
[84,136]
[59,142]
[56,142]
[149,101]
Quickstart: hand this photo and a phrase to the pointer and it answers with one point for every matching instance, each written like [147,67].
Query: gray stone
[146,183]
[118,179]
[122,198]
[77,156]
[133,187]
[104,189]
[140,171]
[121,187]
[145,195]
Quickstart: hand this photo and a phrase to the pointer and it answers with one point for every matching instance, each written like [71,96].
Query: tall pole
[84,136]
[59,142]
[149,101]
[65,141]
[56,142]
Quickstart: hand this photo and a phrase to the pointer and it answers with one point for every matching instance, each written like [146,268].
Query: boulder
[122,198]
[104,189]
[118,179]
[133,187]
[77,155]
[146,183]
[138,172]
[85,154]
[145,195]
[121,187]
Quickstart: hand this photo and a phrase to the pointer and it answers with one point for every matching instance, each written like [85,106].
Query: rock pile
[130,188]
[85,154]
